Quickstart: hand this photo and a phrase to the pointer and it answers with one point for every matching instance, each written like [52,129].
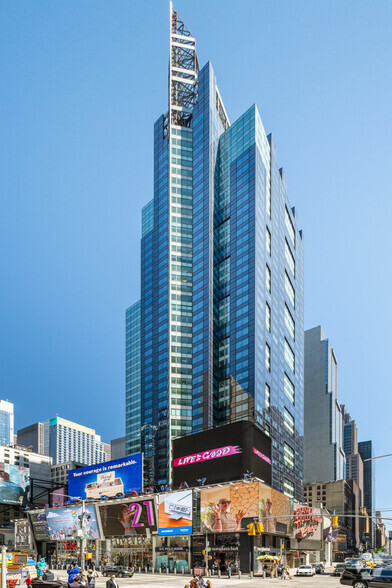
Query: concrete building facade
[67,441]
[32,436]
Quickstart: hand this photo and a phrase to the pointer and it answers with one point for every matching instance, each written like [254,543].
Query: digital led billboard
[222,454]
[13,483]
[232,507]
[64,523]
[110,478]
[40,526]
[175,513]
[59,497]
[22,534]
[128,517]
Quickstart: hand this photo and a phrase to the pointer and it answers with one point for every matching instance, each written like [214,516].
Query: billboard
[40,526]
[59,497]
[232,507]
[13,483]
[222,454]
[64,523]
[127,518]
[22,535]
[175,513]
[308,522]
[110,478]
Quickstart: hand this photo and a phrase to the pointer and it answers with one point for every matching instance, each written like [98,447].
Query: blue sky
[83,83]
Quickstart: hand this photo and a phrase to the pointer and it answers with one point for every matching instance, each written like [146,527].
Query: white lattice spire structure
[183,70]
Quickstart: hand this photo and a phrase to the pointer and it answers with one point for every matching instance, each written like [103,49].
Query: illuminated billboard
[175,513]
[232,507]
[40,525]
[110,478]
[222,454]
[127,518]
[64,523]
[59,497]
[22,534]
[13,483]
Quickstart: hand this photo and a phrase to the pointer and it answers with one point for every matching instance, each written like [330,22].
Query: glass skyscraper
[218,333]
[6,423]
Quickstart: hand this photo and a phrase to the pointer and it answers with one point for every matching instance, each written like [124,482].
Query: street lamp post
[3,567]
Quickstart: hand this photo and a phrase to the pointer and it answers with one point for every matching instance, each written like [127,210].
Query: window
[267,396]
[288,488]
[289,388]
[289,321]
[267,357]
[268,279]
[289,289]
[288,421]
[268,203]
[289,226]
[289,257]
[289,355]
[268,317]
[288,456]
[268,241]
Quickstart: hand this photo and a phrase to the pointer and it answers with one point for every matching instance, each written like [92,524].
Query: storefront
[132,551]
[172,553]
[223,549]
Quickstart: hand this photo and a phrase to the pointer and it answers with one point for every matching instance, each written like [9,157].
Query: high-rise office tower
[32,436]
[365,449]
[6,423]
[218,333]
[67,441]
[324,458]
[354,463]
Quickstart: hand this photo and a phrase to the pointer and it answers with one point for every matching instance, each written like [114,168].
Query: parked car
[367,577]
[319,568]
[339,569]
[306,571]
[120,571]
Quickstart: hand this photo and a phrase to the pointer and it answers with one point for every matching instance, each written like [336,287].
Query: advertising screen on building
[231,508]
[59,497]
[175,513]
[64,523]
[40,526]
[128,518]
[13,483]
[222,454]
[110,478]
[22,535]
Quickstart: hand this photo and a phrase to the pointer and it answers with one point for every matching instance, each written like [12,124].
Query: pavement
[180,581]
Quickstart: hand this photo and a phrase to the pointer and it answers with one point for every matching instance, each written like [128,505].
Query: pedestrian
[112,582]
[28,580]
[228,571]
[91,575]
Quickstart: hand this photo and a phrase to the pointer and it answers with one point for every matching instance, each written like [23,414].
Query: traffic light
[255,528]
[203,552]
[259,528]
[334,521]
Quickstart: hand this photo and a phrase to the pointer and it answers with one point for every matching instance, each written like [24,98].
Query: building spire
[183,69]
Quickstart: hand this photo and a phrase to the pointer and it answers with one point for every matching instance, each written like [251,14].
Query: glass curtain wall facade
[221,309]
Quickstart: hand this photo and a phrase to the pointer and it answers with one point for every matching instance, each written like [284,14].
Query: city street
[171,581]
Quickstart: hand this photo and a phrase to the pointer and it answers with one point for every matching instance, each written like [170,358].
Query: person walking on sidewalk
[228,570]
